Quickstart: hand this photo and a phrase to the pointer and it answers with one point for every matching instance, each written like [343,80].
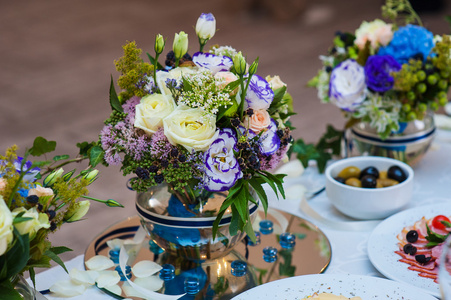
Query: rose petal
[83,277]
[115,289]
[99,263]
[115,244]
[67,288]
[130,291]
[108,278]
[145,268]
[152,283]
[293,168]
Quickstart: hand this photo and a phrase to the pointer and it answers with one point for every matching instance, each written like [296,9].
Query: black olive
[422,259]
[373,171]
[340,179]
[412,236]
[396,173]
[369,181]
[409,249]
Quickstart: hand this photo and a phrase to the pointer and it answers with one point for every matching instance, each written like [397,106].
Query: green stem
[50,168]
[155,63]
[177,60]
[243,95]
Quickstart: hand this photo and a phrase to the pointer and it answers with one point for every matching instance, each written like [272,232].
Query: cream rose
[151,111]
[275,82]
[177,73]
[191,128]
[376,32]
[224,78]
[40,191]
[6,226]
[38,221]
[259,120]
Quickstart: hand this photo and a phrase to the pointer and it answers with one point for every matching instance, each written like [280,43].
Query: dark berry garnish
[174,152]
[182,158]
[40,207]
[164,163]
[51,214]
[235,122]
[52,226]
[412,236]
[33,199]
[328,69]
[422,259]
[409,249]
[153,169]
[279,133]
[159,178]
[142,173]
[249,111]
[369,181]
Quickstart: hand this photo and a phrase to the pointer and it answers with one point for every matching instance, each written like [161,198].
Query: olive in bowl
[369,203]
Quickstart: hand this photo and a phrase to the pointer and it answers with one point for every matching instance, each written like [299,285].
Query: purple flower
[259,95]
[221,167]
[212,62]
[377,72]
[269,140]
[31,173]
[347,88]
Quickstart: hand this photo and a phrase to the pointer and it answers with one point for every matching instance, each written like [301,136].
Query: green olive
[349,172]
[353,181]
[387,182]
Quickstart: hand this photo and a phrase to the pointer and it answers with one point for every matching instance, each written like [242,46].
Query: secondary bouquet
[201,124]
[36,199]
[386,73]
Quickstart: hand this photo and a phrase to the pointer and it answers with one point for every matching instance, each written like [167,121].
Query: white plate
[365,287]
[382,245]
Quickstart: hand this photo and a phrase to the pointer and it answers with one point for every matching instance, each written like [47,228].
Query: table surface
[349,244]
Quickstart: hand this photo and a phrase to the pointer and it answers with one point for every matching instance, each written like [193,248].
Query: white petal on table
[108,278]
[99,263]
[294,192]
[130,291]
[293,168]
[145,268]
[83,277]
[152,283]
[67,288]
[115,289]
[115,244]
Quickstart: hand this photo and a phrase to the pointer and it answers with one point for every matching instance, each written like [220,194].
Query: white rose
[177,73]
[6,226]
[190,127]
[151,111]
[38,221]
[275,82]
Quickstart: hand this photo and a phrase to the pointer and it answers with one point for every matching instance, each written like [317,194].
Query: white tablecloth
[349,247]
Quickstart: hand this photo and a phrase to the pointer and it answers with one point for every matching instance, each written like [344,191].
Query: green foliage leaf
[286,268]
[85,147]
[96,155]
[152,61]
[60,249]
[55,258]
[61,157]
[15,260]
[186,85]
[18,220]
[8,292]
[42,146]
[39,164]
[233,85]
[256,185]
[278,180]
[114,99]
[434,238]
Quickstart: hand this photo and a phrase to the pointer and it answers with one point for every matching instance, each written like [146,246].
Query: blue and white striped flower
[212,62]
[259,95]
[269,140]
[206,26]
[221,167]
[347,87]
[30,172]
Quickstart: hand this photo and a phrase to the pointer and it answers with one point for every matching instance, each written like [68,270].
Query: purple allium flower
[409,41]
[272,161]
[269,140]
[159,145]
[221,167]
[212,62]
[347,88]
[259,95]
[130,110]
[377,72]
[31,173]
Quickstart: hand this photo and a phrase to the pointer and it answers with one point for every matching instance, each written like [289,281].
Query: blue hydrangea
[409,41]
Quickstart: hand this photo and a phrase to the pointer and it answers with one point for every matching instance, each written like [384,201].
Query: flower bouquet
[201,124]
[386,74]
[30,210]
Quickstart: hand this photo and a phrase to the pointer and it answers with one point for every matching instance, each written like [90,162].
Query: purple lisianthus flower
[221,167]
[212,62]
[347,87]
[377,72]
[269,140]
[259,94]
[31,173]
[409,41]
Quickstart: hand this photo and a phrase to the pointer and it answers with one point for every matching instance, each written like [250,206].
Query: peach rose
[376,32]
[224,78]
[40,191]
[2,184]
[258,121]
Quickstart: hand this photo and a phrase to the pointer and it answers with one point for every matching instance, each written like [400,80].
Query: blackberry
[247,176]
[174,152]
[159,178]
[240,160]
[170,59]
[142,173]
[153,169]
[235,122]
[51,214]
[328,69]
[52,226]
[249,112]
[333,50]
[164,163]
[175,165]
[253,159]
[33,199]
[182,158]
[40,207]
[279,133]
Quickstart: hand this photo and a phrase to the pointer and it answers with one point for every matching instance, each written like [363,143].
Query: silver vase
[187,230]
[409,145]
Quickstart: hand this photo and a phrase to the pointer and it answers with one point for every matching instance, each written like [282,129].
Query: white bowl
[368,203]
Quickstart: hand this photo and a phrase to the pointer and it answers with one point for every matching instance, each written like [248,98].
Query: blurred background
[56,58]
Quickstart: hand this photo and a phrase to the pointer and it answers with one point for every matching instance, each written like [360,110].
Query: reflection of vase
[186,230]
[408,145]
[23,288]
